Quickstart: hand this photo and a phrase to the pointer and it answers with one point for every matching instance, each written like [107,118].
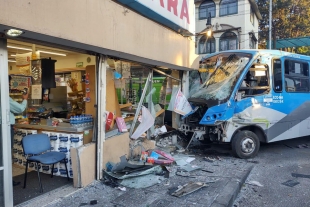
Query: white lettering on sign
[277,99]
[180,12]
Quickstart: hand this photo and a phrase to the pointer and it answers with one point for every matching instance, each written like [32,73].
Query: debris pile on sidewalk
[154,161]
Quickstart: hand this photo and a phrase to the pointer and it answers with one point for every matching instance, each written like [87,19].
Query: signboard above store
[179,15]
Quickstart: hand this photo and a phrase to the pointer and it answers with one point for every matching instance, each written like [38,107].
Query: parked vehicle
[252,96]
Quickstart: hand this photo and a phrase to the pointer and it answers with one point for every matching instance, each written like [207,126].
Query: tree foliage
[290,19]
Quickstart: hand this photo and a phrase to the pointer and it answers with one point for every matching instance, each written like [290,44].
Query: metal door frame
[5,126]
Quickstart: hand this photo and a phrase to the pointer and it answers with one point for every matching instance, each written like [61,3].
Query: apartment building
[233,24]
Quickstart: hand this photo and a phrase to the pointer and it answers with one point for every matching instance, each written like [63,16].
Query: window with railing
[228,7]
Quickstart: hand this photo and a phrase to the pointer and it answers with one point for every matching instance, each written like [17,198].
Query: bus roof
[278,53]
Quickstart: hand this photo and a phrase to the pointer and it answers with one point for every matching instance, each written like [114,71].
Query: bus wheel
[245,144]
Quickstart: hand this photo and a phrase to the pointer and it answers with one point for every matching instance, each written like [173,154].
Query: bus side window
[277,76]
[296,76]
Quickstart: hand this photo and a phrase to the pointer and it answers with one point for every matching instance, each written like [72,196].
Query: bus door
[280,125]
[296,75]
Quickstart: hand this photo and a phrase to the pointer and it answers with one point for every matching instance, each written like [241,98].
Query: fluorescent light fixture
[13,32]
[52,53]
[12,61]
[19,48]
[41,51]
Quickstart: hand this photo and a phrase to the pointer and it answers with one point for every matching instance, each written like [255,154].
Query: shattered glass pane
[227,69]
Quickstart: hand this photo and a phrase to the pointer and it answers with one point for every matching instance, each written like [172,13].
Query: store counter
[62,138]
[63,127]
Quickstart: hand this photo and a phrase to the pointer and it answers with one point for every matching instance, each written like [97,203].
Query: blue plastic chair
[37,149]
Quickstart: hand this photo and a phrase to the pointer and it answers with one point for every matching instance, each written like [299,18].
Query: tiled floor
[18,170]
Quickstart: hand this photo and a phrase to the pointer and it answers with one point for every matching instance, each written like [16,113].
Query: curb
[231,190]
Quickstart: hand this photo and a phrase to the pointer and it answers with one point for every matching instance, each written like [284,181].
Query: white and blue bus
[252,96]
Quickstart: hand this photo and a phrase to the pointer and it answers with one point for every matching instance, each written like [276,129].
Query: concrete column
[102,93]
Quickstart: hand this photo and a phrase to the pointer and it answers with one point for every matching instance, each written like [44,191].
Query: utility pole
[270,22]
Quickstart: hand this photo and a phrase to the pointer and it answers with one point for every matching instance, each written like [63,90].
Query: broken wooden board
[188,188]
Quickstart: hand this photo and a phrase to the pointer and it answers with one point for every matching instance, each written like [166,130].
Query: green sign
[79,64]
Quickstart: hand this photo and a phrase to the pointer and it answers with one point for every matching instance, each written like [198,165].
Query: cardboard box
[121,125]
[83,164]
[112,153]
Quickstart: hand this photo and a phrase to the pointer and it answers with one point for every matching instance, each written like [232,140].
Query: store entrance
[61,88]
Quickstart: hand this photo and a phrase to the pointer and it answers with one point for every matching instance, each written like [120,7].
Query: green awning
[291,42]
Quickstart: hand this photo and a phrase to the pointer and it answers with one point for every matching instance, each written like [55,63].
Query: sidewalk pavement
[227,176]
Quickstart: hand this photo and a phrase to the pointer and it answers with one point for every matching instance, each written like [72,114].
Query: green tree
[290,19]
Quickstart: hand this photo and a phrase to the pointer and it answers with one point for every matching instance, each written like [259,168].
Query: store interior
[55,81]
[62,95]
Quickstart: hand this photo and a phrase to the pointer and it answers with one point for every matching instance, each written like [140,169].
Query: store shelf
[129,118]
[160,112]
[125,105]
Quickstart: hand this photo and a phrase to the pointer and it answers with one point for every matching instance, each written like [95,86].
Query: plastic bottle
[91,120]
[78,123]
[71,120]
[74,122]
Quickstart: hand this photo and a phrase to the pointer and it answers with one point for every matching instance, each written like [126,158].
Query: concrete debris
[303,146]
[93,202]
[253,161]
[110,182]
[256,183]
[209,171]
[208,159]
[297,175]
[189,167]
[122,188]
[290,183]
[187,189]
[184,174]
[160,130]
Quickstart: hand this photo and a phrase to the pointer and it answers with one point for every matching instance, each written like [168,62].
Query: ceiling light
[52,53]
[13,32]
[19,48]
[12,61]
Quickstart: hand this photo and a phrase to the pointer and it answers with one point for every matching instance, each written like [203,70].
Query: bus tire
[245,144]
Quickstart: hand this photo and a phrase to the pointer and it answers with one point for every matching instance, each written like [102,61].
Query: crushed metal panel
[142,181]
[189,168]
[153,170]
[124,163]
[188,188]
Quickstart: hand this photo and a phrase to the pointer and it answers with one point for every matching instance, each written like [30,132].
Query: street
[275,164]
[224,176]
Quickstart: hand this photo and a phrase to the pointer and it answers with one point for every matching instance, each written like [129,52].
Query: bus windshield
[227,69]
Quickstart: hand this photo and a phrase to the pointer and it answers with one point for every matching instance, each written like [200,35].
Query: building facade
[233,25]
[106,29]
